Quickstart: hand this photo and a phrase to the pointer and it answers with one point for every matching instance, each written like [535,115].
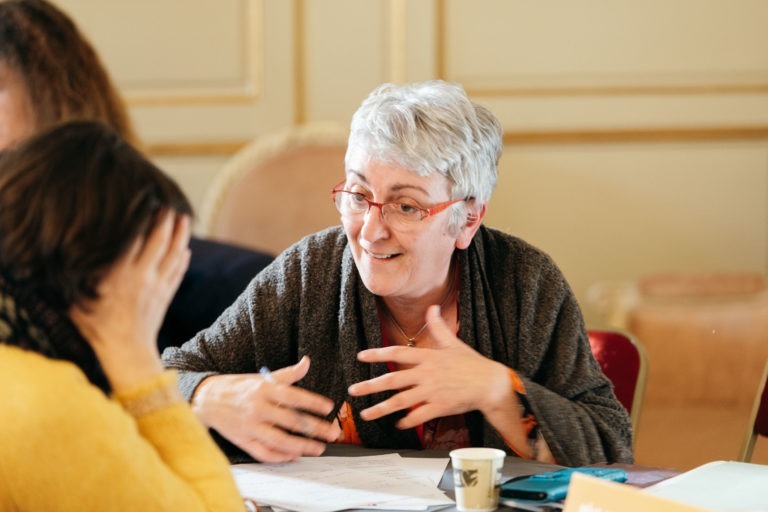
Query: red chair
[625,363]
[758,420]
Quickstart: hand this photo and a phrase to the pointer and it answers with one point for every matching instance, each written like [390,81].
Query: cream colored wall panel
[420,48]
[381,41]
[602,63]
[347,53]
[213,121]
[203,71]
[182,51]
[615,212]
[605,43]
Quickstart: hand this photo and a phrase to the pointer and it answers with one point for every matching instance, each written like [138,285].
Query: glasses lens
[350,203]
[401,213]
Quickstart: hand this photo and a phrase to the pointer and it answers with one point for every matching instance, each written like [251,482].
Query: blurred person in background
[50,73]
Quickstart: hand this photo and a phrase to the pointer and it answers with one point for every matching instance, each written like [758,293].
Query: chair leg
[748,448]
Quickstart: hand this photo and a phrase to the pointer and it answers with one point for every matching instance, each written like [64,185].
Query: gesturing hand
[271,419]
[449,379]
[122,323]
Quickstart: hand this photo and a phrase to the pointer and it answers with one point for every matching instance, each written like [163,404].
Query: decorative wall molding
[247,89]
[682,134]
[593,84]
[299,63]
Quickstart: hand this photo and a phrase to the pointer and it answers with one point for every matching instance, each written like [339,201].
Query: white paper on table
[324,484]
[718,485]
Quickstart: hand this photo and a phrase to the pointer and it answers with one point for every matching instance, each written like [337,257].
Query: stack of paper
[719,486]
[325,484]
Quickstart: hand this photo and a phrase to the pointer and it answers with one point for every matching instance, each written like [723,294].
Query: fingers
[272,421]
[268,443]
[395,380]
[164,256]
[271,444]
[290,404]
[173,260]
[156,242]
[167,241]
[442,335]
[307,425]
[293,435]
[292,374]
[439,329]
[395,354]
[286,397]
[402,400]
[293,425]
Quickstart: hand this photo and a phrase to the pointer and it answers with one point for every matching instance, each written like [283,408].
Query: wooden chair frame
[761,402]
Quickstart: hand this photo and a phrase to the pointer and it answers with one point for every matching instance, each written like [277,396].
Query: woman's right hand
[268,418]
[122,323]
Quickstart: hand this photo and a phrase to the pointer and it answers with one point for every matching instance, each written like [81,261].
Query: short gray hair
[430,127]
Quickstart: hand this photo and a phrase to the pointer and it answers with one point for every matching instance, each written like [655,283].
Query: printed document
[325,484]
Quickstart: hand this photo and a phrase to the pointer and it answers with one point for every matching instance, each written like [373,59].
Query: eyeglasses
[354,204]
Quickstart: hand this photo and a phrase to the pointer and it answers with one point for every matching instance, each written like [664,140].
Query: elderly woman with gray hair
[425,328]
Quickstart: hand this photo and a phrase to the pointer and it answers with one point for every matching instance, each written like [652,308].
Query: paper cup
[476,478]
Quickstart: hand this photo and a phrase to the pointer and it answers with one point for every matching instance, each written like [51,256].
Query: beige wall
[636,132]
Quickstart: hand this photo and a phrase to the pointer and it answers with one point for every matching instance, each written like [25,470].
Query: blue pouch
[552,485]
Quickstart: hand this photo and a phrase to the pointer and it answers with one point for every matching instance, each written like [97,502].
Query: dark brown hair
[72,200]
[63,75]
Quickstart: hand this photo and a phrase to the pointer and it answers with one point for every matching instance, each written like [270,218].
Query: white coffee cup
[476,478]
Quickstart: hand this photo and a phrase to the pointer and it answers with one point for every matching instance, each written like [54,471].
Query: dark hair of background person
[66,80]
[62,72]
[74,198]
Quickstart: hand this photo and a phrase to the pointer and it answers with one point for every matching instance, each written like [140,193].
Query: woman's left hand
[448,379]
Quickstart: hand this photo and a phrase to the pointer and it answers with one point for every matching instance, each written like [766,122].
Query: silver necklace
[411,340]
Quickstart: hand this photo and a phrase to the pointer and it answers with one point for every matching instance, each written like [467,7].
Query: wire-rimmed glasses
[355,204]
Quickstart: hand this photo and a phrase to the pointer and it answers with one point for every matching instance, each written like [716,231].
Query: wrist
[500,393]
[152,395]
[200,398]
[127,367]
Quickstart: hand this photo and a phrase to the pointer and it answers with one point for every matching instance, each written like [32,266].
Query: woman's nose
[374,224]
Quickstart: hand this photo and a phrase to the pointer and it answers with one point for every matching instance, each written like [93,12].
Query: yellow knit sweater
[64,445]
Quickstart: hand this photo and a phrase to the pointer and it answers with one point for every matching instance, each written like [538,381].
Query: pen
[264,371]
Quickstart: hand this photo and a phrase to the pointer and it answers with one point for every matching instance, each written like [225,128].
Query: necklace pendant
[411,342]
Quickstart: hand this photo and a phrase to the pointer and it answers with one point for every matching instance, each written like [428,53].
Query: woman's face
[16,119]
[407,262]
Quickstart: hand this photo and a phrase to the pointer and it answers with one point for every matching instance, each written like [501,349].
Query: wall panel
[597,63]
[616,212]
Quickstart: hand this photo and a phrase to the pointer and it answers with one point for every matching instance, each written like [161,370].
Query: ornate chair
[277,188]
[758,420]
[624,361]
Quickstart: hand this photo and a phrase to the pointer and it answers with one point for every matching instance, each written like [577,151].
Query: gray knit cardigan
[514,306]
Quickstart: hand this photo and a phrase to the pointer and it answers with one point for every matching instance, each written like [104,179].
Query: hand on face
[122,323]
[449,379]
[272,420]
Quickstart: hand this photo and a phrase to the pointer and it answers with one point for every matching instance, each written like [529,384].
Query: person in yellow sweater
[93,244]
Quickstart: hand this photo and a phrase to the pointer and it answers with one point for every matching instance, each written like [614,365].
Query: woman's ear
[475,215]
